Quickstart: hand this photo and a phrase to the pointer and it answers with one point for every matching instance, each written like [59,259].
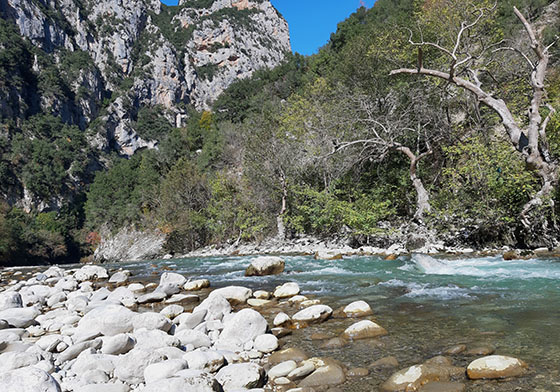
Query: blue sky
[311,21]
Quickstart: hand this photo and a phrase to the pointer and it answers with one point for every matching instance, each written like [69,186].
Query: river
[426,303]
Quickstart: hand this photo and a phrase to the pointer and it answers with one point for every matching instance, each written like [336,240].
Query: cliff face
[95,63]
[165,56]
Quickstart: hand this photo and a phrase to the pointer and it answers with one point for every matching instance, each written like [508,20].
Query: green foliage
[151,123]
[325,213]
[49,154]
[113,197]
[233,213]
[485,181]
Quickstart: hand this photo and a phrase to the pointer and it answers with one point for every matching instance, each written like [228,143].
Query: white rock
[305,369]
[190,320]
[196,285]
[129,368]
[172,311]
[265,265]
[207,360]
[90,272]
[281,319]
[245,326]
[200,383]
[288,289]
[154,339]
[155,296]
[28,379]
[261,294]
[364,329]
[108,320]
[118,344]
[161,370]
[136,287]
[235,294]
[10,299]
[358,309]
[151,320]
[266,343]
[15,360]
[216,307]
[282,369]
[196,338]
[20,317]
[240,375]
[103,387]
[119,277]
[313,313]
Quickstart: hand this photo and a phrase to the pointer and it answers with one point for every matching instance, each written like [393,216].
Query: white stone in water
[136,287]
[313,313]
[281,319]
[357,309]
[409,376]
[288,289]
[306,368]
[282,369]
[261,294]
[297,299]
[196,285]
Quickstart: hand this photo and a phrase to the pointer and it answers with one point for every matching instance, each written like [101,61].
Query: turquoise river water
[426,303]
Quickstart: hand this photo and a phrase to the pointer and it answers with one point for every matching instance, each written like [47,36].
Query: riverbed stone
[20,317]
[292,353]
[118,344]
[201,382]
[234,294]
[443,386]
[185,299]
[262,294]
[496,366]
[103,387]
[155,296]
[281,319]
[196,285]
[10,299]
[266,343]
[195,338]
[334,343]
[15,360]
[480,350]
[119,277]
[202,359]
[241,375]
[28,379]
[216,307]
[283,369]
[245,326]
[108,320]
[415,376]
[91,272]
[172,311]
[265,265]
[305,369]
[129,368]
[313,314]
[357,309]
[286,290]
[151,320]
[364,329]
[164,369]
[457,349]
[330,374]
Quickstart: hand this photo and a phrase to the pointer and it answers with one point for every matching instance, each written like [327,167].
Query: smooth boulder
[28,379]
[364,329]
[241,375]
[313,314]
[496,366]
[265,265]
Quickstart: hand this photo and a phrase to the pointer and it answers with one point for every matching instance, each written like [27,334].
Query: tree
[386,124]
[467,55]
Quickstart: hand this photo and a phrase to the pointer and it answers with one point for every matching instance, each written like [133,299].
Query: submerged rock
[358,309]
[496,366]
[364,329]
[313,314]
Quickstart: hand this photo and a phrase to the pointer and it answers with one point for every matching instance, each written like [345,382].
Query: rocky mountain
[95,63]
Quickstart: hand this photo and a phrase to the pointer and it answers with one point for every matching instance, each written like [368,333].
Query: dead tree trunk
[422,196]
[280,224]
[529,140]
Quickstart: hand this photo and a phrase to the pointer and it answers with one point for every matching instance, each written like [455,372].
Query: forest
[437,116]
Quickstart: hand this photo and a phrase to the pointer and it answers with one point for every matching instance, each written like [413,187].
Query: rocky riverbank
[90,329]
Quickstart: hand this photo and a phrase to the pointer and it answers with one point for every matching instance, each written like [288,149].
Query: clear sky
[311,21]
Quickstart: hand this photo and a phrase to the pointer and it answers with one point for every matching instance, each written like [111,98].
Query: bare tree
[464,70]
[386,132]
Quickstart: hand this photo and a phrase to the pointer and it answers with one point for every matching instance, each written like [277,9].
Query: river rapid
[427,304]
